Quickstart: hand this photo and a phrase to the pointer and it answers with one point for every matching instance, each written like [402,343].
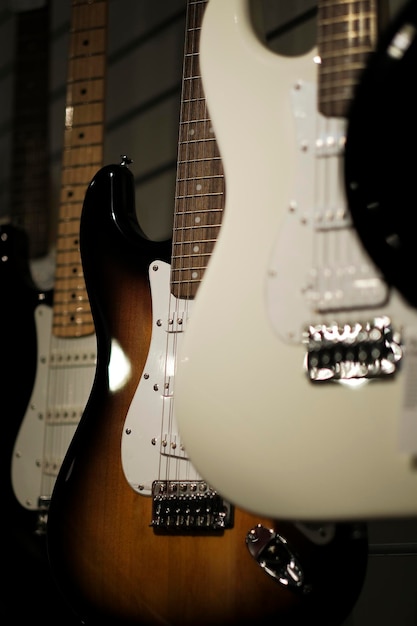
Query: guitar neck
[347,33]
[82,157]
[30,172]
[199,195]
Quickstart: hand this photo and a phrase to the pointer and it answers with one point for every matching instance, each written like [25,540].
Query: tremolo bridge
[189,506]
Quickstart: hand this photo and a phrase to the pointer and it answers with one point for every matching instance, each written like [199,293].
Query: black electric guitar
[171,551]
[26,269]
[65,331]
[379,171]
[24,227]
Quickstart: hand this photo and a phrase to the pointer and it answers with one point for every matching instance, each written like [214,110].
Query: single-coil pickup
[51,466]
[170,445]
[64,415]
[175,322]
[71,359]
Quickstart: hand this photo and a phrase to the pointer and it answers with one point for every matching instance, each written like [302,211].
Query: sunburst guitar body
[115,554]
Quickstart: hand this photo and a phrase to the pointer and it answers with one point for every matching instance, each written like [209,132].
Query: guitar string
[200,192]
[193,137]
[177,251]
[177,269]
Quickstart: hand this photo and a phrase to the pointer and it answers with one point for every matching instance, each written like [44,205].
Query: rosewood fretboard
[199,197]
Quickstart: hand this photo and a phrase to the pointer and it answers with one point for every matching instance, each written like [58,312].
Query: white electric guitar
[295,379]
[66,353]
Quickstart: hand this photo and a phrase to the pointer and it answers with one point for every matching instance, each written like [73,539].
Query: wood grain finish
[109,562]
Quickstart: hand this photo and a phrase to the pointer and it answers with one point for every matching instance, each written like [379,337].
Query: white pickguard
[332,278]
[252,422]
[64,377]
[151,444]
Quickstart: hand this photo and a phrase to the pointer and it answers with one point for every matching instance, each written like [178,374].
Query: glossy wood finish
[112,566]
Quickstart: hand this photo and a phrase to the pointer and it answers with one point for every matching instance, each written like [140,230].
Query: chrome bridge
[361,350]
[189,506]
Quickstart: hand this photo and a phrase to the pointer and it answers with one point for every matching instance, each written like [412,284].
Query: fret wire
[191,281]
[67,250]
[92,123]
[193,228]
[200,195]
[346,36]
[187,100]
[190,256]
[215,178]
[195,121]
[195,139]
[202,160]
[336,56]
[82,156]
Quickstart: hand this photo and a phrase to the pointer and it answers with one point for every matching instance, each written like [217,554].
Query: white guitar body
[64,377]
[151,445]
[274,435]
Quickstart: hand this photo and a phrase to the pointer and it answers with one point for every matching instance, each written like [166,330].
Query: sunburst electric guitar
[296,369]
[135,535]
[66,355]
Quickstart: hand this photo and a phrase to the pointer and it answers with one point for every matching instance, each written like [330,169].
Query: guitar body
[26,278]
[64,376]
[66,344]
[26,562]
[112,565]
[273,434]
[379,173]
[19,352]
[18,365]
